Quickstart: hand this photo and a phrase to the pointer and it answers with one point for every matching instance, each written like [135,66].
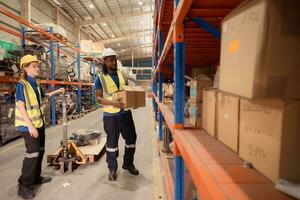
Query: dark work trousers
[32,163]
[113,126]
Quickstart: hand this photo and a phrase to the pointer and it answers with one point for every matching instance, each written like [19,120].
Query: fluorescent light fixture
[140,3]
[56,2]
[112,36]
[91,6]
[119,44]
[104,24]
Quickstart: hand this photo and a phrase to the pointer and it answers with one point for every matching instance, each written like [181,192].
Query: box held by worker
[131,96]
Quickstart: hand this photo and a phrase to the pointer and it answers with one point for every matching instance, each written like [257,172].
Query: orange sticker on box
[234,46]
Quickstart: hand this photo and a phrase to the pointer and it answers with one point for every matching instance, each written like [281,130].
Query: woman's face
[33,69]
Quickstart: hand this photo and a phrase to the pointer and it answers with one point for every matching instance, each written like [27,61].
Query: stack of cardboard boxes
[257,114]
[195,101]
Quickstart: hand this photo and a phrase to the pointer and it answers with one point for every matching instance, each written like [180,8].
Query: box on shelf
[195,115]
[260,57]
[168,92]
[228,120]
[196,88]
[131,96]
[209,111]
[269,137]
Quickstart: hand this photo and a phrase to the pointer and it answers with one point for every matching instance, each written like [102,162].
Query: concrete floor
[90,181]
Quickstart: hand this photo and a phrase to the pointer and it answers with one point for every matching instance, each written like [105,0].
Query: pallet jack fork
[69,154]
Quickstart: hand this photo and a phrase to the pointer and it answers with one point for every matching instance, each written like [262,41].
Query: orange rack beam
[6,79]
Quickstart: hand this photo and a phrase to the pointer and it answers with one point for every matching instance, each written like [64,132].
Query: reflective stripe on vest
[109,87]
[33,109]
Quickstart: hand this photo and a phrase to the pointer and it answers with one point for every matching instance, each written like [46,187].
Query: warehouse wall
[14,7]
[138,63]
[41,12]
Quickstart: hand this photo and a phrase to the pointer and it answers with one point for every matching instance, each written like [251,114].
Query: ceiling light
[140,3]
[112,36]
[57,3]
[91,6]
[104,24]
[87,17]
[123,50]
[119,44]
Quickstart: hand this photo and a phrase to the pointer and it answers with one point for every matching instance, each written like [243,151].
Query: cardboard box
[228,120]
[260,57]
[195,115]
[196,89]
[269,137]
[131,96]
[209,113]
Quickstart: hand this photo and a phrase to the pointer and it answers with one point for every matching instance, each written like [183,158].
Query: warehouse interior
[211,88]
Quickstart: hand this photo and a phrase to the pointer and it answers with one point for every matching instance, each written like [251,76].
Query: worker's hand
[33,131]
[61,90]
[118,104]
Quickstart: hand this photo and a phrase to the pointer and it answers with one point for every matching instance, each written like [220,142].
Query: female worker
[29,119]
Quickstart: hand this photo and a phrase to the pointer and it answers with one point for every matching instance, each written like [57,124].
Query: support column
[160,82]
[76,33]
[78,76]
[52,76]
[25,9]
[56,16]
[179,72]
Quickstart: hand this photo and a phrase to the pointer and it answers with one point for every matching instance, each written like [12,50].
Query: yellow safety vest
[109,87]
[34,111]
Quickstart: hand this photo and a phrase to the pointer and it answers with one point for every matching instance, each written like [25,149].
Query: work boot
[42,180]
[131,169]
[25,192]
[112,175]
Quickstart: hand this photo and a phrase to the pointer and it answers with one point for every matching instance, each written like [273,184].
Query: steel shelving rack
[57,45]
[186,33]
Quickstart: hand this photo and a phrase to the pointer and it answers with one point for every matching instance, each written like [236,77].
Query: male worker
[116,119]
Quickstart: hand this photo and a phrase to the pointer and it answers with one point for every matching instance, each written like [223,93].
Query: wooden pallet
[94,152]
[87,154]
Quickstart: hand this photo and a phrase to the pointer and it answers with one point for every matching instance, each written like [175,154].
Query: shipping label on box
[228,120]
[131,96]
[269,137]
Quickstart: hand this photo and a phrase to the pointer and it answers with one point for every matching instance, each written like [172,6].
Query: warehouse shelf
[202,45]
[56,44]
[193,39]
[216,170]
[168,168]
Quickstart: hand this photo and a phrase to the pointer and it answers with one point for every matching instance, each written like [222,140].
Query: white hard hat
[108,52]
